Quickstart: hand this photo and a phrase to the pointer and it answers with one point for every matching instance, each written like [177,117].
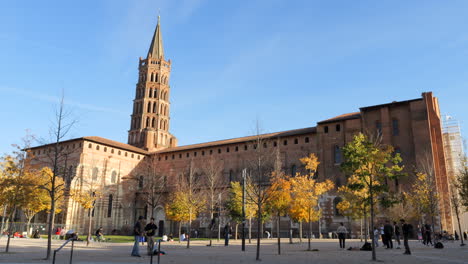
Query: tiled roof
[342,117]
[301,131]
[100,140]
[392,103]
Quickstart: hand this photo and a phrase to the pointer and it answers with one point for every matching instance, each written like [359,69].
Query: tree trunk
[237,225]
[278,233]
[180,230]
[374,258]
[259,225]
[189,228]
[366,227]
[28,226]
[250,230]
[310,236]
[457,213]
[300,232]
[50,224]
[290,231]
[10,229]
[88,238]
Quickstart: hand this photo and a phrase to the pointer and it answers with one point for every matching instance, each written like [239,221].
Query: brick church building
[412,127]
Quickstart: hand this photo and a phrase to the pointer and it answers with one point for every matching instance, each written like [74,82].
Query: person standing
[138,233]
[341,231]
[150,230]
[388,234]
[456,235]
[406,233]
[382,234]
[227,232]
[396,231]
[465,236]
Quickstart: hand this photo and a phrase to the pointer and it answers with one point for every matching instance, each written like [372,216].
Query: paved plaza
[32,251]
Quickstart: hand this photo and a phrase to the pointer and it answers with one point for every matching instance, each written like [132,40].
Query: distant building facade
[413,127]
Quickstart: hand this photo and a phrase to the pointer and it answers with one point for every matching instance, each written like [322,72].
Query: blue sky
[288,64]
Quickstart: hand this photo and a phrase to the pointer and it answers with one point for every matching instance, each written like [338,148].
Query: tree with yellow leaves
[423,197]
[37,199]
[355,203]
[234,206]
[305,194]
[280,199]
[188,201]
[86,191]
[372,163]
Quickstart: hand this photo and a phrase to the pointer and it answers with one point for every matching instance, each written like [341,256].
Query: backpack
[439,245]
[366,247]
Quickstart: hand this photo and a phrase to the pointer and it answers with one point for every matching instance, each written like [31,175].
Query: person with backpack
[406,228]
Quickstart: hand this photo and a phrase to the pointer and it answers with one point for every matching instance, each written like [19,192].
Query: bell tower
[149,125]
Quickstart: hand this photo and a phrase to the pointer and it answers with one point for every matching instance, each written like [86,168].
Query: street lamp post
[244,175]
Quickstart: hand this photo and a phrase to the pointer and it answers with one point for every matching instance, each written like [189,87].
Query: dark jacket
[388,229]
[137,229]
[406,228]
[151,229]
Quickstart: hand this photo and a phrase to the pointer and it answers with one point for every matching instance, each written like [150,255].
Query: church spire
[156,49]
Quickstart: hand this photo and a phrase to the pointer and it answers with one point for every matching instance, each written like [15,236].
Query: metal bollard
[159,250]
[71,253]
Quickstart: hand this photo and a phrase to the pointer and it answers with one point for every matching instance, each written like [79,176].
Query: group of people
[147,231]
[387,232]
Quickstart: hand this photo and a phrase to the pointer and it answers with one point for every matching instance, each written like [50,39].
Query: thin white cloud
[56,99]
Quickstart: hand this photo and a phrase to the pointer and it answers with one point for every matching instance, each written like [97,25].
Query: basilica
[412,127]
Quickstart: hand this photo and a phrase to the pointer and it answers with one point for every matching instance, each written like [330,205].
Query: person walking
[341,231]
[456,235]
[406,233]
[465,236]
[138,233]
[150,230]
[428,238]
[388,234]
[376,236]
[396,231]
[227,232]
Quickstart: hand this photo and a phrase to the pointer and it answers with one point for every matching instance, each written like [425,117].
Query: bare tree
[260,165]
[426,188]
[459,186]
[57,157]
[213,183]
[153,183]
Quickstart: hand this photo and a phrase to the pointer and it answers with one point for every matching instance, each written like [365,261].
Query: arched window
[336,201]
[155,94]
[153,122]
[150,93]
[293,170]
[161,108]
[147,121]
[337,154]
[95,173]
[149,107]
[152,77]
[109,206]
[157,78]
[114,177]
[154,106]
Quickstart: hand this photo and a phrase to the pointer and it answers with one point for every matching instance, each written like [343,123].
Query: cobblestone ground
[32,251]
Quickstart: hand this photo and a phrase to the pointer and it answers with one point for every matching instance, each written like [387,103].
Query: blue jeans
[136,247]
